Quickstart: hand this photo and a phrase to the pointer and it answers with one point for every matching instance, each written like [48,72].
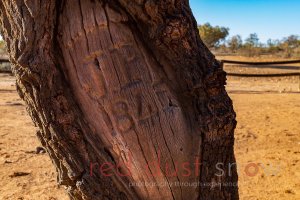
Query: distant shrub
[288,47]
[5,67]
[212,36]
[2,47]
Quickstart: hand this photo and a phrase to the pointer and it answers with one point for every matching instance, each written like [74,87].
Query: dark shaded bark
[125,82]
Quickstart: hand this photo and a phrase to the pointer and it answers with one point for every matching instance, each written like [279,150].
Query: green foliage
[252,40]
[2,47]
[212,36]
[273,46]
[5,67]
[235,43]
[287,47]
[2,44]
[291,42]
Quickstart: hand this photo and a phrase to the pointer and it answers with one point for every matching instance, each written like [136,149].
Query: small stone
[40,150]
[289,191]
[17,174]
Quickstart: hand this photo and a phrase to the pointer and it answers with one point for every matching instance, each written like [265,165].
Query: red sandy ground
[268,135]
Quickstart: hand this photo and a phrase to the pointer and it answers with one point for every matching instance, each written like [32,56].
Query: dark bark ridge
[122,82]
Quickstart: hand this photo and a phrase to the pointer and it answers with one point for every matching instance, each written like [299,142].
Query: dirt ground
[24,174]
[267,141]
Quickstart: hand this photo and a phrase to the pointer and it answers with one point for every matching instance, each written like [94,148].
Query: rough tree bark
[125,83]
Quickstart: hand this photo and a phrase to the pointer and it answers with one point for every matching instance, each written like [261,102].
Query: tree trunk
[129,102]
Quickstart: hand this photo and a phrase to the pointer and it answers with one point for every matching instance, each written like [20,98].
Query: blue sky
[273,19]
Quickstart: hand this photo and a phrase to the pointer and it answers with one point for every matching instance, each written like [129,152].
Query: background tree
[251,46]
[289,45]
[212,36]
[273,46]
[2,44]
[272,43]
[252,40]
[292,41]
[235,43]
[114,86]
[2,47]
